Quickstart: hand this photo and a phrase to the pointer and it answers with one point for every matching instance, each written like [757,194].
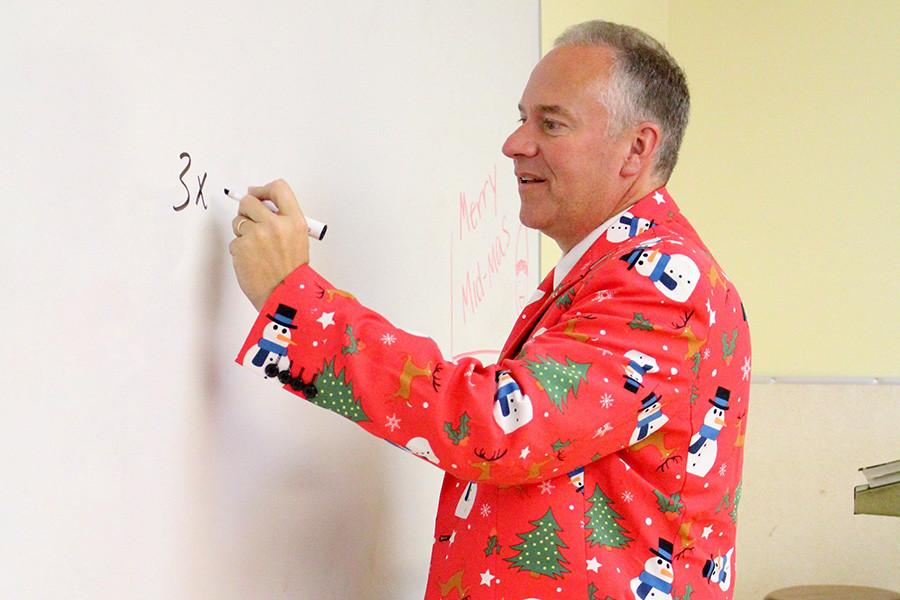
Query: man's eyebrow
[551,109]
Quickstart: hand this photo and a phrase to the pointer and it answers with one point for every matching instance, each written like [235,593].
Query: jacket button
[271,370]
[297,384]
[284,376]
[311,391]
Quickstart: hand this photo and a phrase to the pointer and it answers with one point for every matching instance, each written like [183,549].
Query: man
[601,456]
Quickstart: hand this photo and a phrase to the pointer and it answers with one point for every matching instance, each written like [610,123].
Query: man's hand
[267,245]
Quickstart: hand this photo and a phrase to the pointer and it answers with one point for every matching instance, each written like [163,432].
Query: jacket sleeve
[609,347]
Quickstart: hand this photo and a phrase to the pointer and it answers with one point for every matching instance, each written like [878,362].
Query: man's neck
[636,191]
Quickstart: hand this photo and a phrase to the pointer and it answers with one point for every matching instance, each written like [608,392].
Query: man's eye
[520,120]
[551,125]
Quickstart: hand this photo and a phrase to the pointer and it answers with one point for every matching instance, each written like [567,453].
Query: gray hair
[646,84]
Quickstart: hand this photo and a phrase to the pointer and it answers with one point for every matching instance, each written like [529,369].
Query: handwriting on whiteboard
[199,197]
[480,276]
[488,250]
[474,211]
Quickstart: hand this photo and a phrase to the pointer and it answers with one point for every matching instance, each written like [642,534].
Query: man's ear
[641,152]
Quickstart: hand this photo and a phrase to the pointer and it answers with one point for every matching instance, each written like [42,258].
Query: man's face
[566,164]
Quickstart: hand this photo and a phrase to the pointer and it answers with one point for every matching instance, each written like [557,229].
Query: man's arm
[571,396]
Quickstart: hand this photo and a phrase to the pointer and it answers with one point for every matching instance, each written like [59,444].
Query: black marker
[315,229]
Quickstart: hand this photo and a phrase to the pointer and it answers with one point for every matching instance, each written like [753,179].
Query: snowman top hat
[284,316]
[665,550]
[721,399]
[650,400]
[632,257]
[708,568]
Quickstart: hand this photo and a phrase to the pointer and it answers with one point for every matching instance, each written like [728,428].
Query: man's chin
[529,219]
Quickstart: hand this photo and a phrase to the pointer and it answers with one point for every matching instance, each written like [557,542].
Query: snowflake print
[746,369]
[393,423]
[606,400]
[388,339]
[627,496]
[722,470]
[706,354]
[546,487]
[485,510]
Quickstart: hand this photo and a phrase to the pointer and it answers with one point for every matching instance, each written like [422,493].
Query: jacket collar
[653,209]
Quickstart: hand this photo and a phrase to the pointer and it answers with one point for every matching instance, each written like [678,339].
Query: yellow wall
[789,166]
[792,143]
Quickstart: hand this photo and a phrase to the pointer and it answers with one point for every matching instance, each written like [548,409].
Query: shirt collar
[571,258]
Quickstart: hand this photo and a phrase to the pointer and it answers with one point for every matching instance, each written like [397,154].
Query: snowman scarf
[265,347]
[649,582]
[706,433]
[644,424]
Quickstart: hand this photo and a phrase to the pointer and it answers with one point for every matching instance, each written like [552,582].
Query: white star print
[393,423]
[546,487]
[485,510]
[706,531]
[712,313]
[627,496]
[722,470]
[487,578]
[388,339]
[593,565]
[525,452]
[659,198]
[326,319]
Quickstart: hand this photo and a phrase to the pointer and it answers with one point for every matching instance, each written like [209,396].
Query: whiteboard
[139,460]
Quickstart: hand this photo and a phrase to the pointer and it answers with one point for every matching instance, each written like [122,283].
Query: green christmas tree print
[737,499]
[592,593]
[336,394]
[723,503]
[601,520]
[558,379]
[539,552]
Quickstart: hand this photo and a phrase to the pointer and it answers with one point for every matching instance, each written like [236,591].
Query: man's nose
[519,143]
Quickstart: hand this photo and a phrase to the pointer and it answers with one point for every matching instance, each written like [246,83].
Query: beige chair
[832,592]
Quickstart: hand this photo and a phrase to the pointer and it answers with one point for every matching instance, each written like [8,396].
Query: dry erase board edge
[827,380]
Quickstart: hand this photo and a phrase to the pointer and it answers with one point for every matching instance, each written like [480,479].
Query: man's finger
[280,194]
[241,225]
[252,207]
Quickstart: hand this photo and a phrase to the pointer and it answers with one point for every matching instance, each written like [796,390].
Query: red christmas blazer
[600,457]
